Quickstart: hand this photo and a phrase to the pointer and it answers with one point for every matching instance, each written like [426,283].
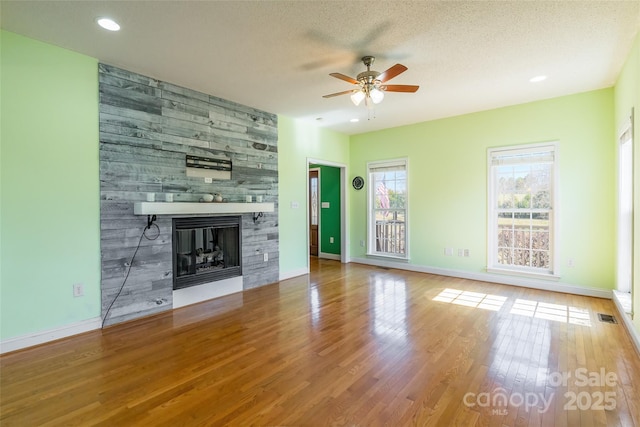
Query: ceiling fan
[371,85]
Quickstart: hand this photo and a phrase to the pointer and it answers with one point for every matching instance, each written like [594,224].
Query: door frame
[344,207]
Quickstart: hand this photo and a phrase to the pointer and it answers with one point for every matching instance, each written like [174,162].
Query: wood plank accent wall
[147,127]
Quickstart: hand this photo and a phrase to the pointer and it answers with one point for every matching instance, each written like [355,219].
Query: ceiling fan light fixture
[357,97]
[376,95]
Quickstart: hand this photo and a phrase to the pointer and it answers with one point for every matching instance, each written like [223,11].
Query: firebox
[206,249]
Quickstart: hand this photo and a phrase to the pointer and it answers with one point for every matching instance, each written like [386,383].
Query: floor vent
[607,318]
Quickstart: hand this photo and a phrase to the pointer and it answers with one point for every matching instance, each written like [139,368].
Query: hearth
[206,249]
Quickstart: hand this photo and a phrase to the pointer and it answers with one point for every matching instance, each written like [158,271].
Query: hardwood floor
[347,345]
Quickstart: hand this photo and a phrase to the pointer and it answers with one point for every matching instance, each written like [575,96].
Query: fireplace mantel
[185,208]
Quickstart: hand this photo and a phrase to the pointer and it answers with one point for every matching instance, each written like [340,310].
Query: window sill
[387,257]
[528,274]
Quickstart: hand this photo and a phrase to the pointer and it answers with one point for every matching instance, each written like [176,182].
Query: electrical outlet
[294,205]
[448,251]
[266,257]
[467,253]
[330,239]
[460,252]
[571,263]
[78,289]
[208,180]
[362,243]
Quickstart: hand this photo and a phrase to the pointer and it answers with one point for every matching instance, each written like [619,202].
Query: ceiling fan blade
[344,92]
[400,88]
[345,78]
[391,73]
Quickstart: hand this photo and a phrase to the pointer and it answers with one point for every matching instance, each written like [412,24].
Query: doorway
[327,207]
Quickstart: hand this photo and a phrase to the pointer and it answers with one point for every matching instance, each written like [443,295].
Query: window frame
[492,211]
[371,237]
[625,205]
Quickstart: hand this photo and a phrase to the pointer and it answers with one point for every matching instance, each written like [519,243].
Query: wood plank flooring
[347,345]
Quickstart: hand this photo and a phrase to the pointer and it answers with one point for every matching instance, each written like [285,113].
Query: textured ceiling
[277,55]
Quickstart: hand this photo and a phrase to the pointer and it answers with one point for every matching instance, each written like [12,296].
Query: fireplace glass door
[205,250]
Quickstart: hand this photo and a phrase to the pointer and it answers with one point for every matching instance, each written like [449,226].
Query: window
[521,208]
[387,200]
[625,207]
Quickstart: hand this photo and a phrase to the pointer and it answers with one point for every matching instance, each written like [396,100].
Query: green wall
[329,217]
[448,180]
[49,186]
[627,96]
[299,142]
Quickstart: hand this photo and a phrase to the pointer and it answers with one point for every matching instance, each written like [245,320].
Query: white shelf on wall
[185,208]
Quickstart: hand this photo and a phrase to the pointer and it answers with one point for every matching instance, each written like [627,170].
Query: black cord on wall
[150,223]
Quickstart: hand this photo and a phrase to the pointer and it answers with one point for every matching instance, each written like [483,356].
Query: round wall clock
[358,183]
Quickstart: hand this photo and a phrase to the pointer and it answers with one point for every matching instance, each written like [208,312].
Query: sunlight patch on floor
[471,299]
[556,312]
[521,307]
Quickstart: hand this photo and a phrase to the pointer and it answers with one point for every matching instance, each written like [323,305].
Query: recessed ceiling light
[354,120]
[537,79]
[108,24]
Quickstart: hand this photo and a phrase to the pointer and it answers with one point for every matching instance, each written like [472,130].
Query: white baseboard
[329,256]
[494,278]
[628,323]
[29,340]
[293,273]
[207,291]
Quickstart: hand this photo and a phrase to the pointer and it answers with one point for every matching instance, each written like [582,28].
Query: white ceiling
[277,55]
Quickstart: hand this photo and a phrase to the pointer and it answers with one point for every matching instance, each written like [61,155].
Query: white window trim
[370,196]
[492,266]
[625,240]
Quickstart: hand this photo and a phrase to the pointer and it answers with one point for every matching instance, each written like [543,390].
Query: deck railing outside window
[391,237]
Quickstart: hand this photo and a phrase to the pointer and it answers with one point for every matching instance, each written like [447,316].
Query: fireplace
[206,250]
